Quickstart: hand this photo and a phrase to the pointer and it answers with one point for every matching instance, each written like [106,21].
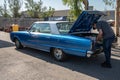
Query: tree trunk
[117,17]
[86,3]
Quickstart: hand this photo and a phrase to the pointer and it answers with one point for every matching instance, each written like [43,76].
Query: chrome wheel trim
[17,43]
[58,53]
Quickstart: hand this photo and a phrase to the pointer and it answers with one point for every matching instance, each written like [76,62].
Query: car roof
[52,22]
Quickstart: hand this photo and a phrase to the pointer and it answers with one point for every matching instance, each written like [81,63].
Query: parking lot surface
[31,64]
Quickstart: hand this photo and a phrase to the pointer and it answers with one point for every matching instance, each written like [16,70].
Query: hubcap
[17,43]
[58,54]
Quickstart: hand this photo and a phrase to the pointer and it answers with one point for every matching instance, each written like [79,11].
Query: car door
[40,36]
[32,36]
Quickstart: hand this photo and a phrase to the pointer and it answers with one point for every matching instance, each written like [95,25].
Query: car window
[40,28]
[34,28]
[64,27]
[45,28]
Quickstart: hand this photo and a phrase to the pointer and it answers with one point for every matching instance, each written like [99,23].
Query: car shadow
[4,44]
[88,66]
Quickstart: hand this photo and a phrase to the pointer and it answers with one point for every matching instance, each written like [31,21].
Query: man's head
[94,25]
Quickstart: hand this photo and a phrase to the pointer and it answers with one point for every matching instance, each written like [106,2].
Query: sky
[58,5]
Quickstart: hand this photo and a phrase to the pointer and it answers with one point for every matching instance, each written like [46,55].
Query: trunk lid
[85,21]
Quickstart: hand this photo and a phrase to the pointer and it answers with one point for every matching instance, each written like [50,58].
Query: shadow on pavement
[5,44]
[116,49]
[116,52]
[87,66]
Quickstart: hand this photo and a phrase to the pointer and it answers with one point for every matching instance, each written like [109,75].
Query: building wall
[110,15]
[61,13]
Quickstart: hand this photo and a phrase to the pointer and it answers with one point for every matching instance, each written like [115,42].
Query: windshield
[64,27]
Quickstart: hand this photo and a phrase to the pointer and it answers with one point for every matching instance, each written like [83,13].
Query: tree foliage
[48,13]
[15,6]
[33,8]
[36,9]
[3,10]
[75,6]
[109,2]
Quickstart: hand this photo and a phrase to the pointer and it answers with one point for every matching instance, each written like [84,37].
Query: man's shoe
[106,65]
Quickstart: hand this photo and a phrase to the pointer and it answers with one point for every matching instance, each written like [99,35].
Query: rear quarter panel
[72,44]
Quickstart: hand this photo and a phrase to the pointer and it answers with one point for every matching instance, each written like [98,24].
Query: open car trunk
[83,25]
[96,45]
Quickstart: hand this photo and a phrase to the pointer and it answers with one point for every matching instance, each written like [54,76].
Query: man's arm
[99,37]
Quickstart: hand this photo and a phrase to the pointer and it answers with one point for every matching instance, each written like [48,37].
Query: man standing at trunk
[107,34]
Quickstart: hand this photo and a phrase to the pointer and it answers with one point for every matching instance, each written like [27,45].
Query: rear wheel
[18,44]
[58,54]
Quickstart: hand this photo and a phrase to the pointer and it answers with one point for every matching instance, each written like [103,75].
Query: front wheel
[58,54]
[18,44]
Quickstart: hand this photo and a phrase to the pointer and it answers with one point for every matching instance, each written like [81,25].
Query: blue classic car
[61,37]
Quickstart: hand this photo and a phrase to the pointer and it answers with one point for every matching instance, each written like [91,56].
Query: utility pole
[117,17]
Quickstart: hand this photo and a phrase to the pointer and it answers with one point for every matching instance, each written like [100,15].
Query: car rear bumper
[95,52]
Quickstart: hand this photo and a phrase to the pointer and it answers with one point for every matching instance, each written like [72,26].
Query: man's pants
[107,43]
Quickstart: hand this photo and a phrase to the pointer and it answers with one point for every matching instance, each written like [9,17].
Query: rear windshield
[64,27]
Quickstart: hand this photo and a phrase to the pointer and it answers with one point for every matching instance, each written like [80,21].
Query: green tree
[36,9]
[49,12]
[15,6]
[76,6]
[33,8]
[3,10]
